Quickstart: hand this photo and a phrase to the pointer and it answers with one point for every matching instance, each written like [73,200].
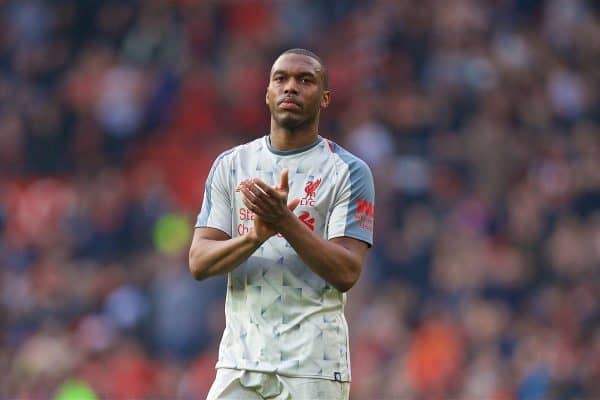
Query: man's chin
[291,122]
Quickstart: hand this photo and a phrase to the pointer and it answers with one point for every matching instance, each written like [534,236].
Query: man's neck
[285,140]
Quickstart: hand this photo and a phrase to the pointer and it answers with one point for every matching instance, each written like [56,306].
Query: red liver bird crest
[311,188]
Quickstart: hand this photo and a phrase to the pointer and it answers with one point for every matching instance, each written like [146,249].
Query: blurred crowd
[479,119]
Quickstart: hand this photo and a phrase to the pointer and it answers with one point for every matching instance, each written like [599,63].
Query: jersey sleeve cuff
[223,229]
[363,238]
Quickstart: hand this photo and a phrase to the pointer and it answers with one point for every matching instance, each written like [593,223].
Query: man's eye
[278,79]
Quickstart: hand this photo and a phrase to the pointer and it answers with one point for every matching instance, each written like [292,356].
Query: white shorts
[233,384]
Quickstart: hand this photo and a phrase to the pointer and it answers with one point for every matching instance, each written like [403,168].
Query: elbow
[345,286]
[198,274]
[348,281]
[197,269]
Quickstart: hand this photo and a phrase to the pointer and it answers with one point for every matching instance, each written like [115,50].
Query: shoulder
[242,150]
[349,161]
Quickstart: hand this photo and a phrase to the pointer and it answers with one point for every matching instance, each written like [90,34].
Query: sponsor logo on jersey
[310,190]
[365,213]
[309,221]
[247,217]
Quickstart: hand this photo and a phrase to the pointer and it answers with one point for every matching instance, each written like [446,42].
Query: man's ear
[267,96]
[325,99]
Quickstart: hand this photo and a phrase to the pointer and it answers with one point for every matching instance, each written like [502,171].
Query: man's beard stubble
[294,124]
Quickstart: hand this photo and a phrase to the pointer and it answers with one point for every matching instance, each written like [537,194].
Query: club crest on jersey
[310,190]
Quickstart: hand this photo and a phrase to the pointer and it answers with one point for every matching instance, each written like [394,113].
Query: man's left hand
[267,202]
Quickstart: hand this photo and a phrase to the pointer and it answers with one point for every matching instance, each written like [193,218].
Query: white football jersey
[281,316]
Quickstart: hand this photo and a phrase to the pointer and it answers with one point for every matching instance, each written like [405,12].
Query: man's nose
[290,86]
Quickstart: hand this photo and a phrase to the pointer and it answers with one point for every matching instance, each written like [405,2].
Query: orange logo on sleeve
[365,213]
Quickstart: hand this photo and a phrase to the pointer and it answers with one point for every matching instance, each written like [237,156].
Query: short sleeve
[353,212]
[216,206]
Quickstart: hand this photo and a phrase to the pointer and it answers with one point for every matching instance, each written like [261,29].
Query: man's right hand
[262,230]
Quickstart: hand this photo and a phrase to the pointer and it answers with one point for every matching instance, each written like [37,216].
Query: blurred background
[479,119]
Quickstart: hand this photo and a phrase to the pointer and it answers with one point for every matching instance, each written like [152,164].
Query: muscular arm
[339,261]
[213,252]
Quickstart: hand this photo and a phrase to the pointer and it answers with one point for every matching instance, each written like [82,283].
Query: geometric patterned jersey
[280,316]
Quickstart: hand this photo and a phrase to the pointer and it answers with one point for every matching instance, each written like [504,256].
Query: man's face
[295,93]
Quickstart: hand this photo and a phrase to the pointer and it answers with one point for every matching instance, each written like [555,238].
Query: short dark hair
[312,55]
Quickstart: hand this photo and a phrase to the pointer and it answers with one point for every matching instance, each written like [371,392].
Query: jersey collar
[293,151]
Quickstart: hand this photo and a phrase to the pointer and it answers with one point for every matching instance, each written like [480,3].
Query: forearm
[331,261]
[215,257]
